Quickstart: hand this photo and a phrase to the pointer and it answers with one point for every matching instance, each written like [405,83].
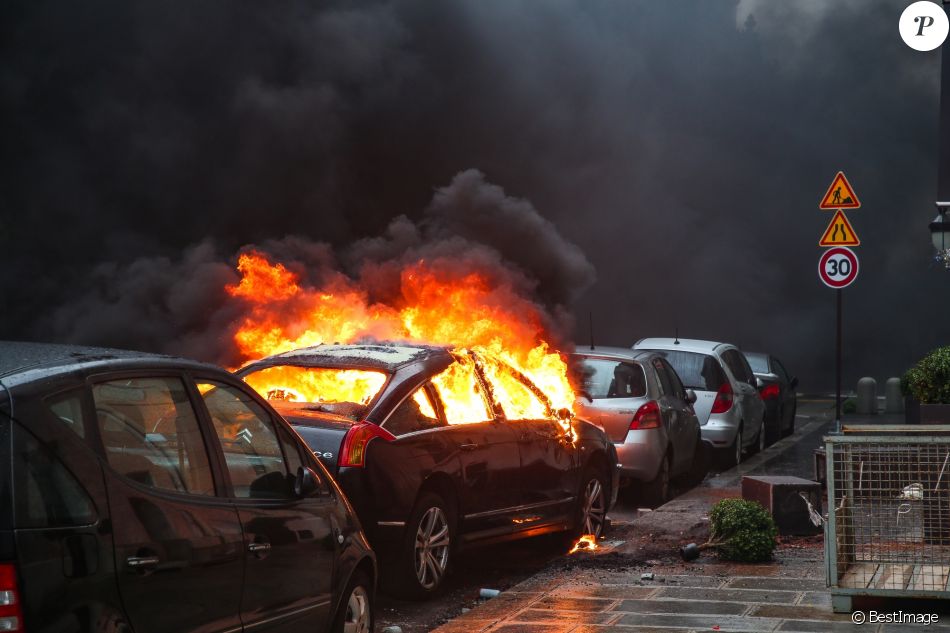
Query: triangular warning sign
[839,232]
[840,195]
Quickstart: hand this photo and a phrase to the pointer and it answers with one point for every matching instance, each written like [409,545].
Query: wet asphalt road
[503,566]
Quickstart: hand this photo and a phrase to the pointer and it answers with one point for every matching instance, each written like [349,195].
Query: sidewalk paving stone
[788,584]
[734,595]
[682,606]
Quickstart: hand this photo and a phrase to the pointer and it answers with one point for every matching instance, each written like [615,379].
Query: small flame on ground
[586,543]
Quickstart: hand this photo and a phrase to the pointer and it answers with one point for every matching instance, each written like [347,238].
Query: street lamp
[940,235]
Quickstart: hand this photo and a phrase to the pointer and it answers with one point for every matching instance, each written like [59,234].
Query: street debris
[393,629]
[587,543]
[488,593]
[813,516]
[647,576]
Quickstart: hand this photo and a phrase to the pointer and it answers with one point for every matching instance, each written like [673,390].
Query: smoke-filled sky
[667,157]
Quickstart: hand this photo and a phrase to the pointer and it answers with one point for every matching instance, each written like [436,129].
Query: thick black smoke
[181,305]
[681,146]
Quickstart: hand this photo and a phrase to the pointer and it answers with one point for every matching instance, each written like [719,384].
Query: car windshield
[759,363]
[604,378]
[698,371]
[345,392]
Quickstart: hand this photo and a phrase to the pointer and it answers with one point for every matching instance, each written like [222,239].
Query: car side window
[462,398]
[68,408]
[746,369]
[512,395]
[46,493]
[734,362]
[674,380]
[415,413]
[780,370]
[665,386]
[603,378]
[249,440]
[151,435]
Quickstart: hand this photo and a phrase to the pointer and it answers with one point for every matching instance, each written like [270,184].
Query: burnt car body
[424,487]
[149,493]
[778,393]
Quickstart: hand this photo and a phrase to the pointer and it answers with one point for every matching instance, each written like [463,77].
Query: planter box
[935,413]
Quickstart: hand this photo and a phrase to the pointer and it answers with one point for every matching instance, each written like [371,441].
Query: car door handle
[141,562]
[468,447]
[258,548]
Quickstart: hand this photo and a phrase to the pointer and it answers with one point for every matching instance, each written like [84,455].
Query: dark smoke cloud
[681,146]
[181,306]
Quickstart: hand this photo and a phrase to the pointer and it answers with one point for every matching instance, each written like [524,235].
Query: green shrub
[929,380]
[742,531]
[849,406]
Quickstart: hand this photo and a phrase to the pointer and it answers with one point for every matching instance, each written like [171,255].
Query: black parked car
[149,493]
[778,393]
[431,466]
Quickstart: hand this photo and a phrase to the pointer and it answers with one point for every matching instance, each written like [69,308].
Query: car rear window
[758,363]
[696,370]
[46,494]
[604,378]
[346,392]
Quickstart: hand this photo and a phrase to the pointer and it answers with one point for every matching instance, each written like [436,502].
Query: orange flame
[586,543]
[435,305]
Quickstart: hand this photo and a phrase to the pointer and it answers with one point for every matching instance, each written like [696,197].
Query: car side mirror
[757,383]
[793,382]
[306,483]
[690,396]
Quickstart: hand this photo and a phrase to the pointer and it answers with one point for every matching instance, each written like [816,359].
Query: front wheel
[592,508]
[355,614]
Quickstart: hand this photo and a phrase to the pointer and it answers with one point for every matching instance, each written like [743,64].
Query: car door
[547,481]
[487,448]
[753,408]
[686,431]
[289,543]
[177,539]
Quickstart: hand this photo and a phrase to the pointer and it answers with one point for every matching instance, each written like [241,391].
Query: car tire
[791,426]
[593,499]
[760,442]
[355,613]
[699,466]
[422,562]
[657,491]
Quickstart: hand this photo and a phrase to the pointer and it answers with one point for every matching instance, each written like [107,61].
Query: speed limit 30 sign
[838,267]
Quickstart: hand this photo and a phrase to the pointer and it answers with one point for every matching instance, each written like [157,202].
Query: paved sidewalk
[604,591]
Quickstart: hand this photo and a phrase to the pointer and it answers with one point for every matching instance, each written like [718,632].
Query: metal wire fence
[889,512]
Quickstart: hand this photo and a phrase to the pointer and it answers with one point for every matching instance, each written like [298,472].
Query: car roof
[685,344]
[387,357]
[624,353]
[23,362]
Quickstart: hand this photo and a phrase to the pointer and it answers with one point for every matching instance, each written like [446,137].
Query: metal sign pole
[838,365]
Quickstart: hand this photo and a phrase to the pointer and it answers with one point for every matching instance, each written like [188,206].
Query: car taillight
[647,417]
[723,401]
[356,441]
[769,392]
[11,613]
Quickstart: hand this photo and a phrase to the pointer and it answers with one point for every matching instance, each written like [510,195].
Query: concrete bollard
[867,396]
[893,398]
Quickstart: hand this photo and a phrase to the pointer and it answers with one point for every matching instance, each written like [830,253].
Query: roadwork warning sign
[840,195]
[839,232]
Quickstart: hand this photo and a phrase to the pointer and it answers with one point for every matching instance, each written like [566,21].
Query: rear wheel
[355,614]
[421,565]
[657,491]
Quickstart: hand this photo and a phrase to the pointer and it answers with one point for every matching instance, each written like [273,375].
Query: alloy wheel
[358,616]
[594,509]
[432,548]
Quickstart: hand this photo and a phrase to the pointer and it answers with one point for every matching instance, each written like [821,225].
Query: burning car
[440,448]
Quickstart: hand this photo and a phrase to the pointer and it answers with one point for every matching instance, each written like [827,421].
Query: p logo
[924,25]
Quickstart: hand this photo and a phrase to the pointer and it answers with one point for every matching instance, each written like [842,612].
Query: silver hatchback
[731,412]
[641,404]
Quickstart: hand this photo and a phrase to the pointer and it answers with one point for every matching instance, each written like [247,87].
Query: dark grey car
[778,393]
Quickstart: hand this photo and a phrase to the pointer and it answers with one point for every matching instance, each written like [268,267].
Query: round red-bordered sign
[838,267]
